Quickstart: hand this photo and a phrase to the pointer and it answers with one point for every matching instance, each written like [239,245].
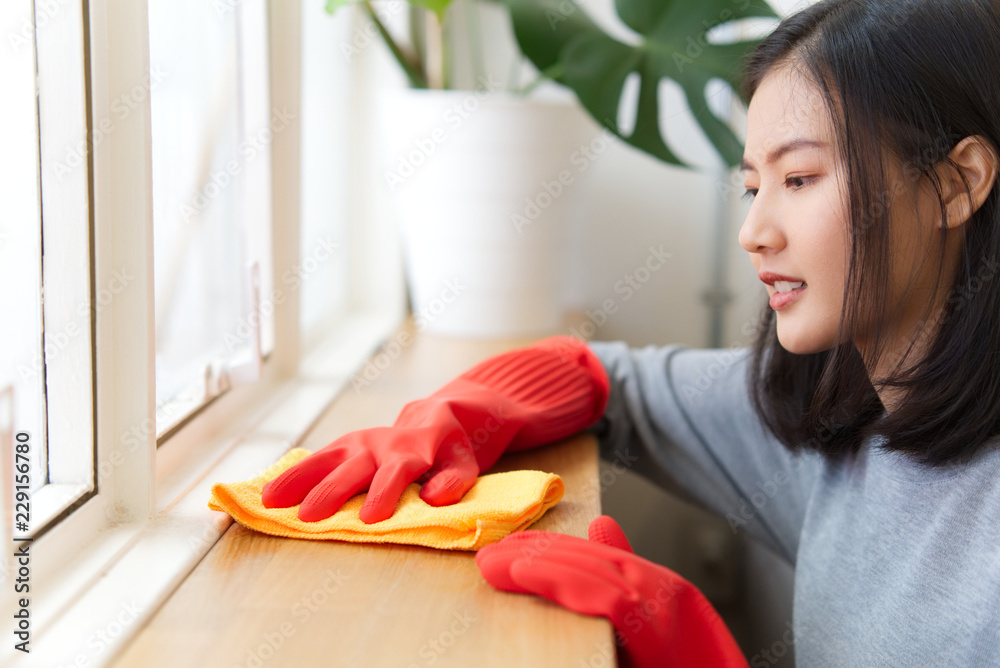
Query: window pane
[326,102]
[202,229]
[22,367]
[260,125]
[46,368]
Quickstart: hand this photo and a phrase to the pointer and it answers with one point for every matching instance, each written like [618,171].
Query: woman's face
[797,224]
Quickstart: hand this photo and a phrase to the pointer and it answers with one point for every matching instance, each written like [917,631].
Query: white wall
[628,203]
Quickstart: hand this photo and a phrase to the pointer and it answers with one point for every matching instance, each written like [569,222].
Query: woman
[858,438]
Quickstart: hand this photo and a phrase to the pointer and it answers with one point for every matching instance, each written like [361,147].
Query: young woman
[858,438]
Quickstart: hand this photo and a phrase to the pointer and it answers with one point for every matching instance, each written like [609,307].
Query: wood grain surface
[257,600]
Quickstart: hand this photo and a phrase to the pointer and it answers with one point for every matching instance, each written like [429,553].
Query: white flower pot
[482,210]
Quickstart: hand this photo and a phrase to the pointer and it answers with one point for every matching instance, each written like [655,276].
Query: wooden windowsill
[256,600]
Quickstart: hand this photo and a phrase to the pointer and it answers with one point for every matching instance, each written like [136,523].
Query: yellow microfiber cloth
[498,504]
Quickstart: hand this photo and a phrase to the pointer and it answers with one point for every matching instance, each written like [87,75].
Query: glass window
[211,135]
[322,273]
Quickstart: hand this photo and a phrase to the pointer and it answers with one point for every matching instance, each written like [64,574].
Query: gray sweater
[896,564]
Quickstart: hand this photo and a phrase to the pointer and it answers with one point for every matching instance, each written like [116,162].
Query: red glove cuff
[557,386]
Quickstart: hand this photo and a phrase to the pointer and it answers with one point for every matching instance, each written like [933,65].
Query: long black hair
[906,79]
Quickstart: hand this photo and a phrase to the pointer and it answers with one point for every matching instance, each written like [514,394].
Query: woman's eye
[796,182]
[750,193]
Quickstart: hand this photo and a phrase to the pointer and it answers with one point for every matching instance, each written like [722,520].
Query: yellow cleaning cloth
[498,504]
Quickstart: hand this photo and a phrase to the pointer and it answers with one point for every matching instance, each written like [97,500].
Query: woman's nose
[759,233]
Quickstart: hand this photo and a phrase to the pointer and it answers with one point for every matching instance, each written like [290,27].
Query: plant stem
[553,72]
[473,20]
[513,75]
[434,40]
[418,36]
[412,69]
[445,51]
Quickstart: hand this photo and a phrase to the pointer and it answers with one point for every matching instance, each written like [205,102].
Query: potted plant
[481,178]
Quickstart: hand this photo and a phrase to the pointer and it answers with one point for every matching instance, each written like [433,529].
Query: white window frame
[98,574]
[66,270]
[62,454]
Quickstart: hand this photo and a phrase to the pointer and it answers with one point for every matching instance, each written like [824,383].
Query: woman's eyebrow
[780,151]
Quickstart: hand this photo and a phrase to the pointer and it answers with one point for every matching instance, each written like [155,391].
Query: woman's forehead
[786,107]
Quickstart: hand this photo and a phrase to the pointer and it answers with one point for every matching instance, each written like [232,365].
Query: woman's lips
[771,278]
[780,300]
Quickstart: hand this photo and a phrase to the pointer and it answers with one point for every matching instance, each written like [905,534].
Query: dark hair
[913,77]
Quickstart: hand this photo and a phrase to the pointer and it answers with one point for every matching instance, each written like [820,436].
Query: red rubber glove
[513,401]
[660,618]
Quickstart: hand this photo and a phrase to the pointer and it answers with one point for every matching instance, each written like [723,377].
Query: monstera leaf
[565,44]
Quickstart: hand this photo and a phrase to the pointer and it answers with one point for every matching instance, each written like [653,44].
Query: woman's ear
[967,181]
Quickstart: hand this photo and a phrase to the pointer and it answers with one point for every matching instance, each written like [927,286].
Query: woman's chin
[799,342]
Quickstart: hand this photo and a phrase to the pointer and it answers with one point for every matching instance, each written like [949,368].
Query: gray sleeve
[683,419]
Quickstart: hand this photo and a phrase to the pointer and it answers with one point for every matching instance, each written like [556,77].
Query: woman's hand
[384,461]
[516,400]
[660,618]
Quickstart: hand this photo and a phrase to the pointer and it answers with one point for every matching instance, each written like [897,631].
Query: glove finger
[447,484]
[292,486]
[527,543]
[494,560]
[605,530]
[542,547]
[387,486]
[577,587]
[540,541]
[348,479]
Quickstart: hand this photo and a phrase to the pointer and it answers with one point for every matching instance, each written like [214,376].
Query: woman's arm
[682,418]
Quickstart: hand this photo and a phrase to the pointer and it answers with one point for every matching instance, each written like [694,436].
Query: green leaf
[544,27]
[334,5]
[436,6]
[669,43]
